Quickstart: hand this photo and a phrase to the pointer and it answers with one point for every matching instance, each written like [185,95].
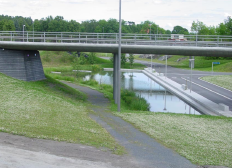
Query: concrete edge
[194,99]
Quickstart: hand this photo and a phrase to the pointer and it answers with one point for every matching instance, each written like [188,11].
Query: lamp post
[119,59]
[165,101]
[33,32]
[191,61]
[166,67]
[23,32]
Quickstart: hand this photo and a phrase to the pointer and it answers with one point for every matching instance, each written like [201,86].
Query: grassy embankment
[224,81]
[50,110]
[205,140]
[201,63]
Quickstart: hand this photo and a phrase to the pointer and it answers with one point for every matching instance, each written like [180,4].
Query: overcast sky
[165,13]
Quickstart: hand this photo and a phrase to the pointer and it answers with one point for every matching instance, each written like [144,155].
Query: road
[209,91]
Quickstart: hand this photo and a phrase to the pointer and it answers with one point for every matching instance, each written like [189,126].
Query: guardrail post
[218,41]
[116,38]
[135,39]
[79,37]
[27,36]
[61,36]
[97,38]
[56,38]
[196,40]
[44,37]
[11,36]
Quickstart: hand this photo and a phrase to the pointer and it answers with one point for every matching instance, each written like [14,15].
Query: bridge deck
[113,48]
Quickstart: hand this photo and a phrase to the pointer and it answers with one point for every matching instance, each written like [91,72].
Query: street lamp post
[166,67]
[119,59]
[23,32]
[191,61]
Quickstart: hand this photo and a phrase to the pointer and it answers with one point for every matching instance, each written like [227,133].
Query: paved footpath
[146,151]
[143,151]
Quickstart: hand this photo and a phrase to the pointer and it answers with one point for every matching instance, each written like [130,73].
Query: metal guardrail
[112,38]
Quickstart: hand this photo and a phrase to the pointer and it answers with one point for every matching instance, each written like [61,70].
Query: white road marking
[208,89]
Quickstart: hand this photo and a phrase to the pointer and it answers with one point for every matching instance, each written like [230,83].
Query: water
[159,98]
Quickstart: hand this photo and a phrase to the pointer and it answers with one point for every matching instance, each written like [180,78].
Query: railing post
[97,38]
[116,38]
[218,41]
[196,40]
[86,39]
[79,37]
[44,37]
[61,36]
[27,36]
[135,39]
[11,36]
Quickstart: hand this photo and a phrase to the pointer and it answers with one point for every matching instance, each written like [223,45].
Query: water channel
[159,98]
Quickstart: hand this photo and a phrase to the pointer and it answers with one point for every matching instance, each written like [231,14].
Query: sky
[165,13]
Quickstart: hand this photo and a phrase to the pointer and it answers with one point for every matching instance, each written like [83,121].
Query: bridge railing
[112,38]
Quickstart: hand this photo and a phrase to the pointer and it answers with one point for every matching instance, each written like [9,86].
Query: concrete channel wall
[197,101]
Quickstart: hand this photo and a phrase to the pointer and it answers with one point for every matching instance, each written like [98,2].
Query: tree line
[59,24]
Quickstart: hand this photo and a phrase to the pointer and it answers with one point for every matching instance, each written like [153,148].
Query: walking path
[143,151]
[146,151]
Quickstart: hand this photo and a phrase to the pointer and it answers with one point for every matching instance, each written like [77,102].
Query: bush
[134,102]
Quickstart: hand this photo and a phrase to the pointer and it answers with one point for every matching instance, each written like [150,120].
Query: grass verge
[50,110]
[224,81]
[204,140]
[201,63]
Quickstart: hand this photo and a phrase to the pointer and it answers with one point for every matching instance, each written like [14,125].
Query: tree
[131,59]
[199,28]
[180,30]
[123,59]
[228,24]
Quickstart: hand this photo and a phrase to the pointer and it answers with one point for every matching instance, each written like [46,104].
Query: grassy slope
[200,63]
[47,109]
[224,81]
[204,140]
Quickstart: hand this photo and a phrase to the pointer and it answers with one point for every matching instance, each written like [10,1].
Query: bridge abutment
[21,64]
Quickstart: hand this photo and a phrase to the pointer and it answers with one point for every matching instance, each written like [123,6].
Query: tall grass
[204,140]
[50,110]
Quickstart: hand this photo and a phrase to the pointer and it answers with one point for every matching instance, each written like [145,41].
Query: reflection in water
[159,98]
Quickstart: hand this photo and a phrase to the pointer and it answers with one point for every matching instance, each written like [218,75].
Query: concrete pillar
[115,78]
[22,65]
[193,62]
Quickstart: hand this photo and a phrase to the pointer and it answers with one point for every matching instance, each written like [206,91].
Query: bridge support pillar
[193,62]
[115,78]
[21,64]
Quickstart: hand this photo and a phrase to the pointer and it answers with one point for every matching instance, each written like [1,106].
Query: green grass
[204,140]
[50,110]
[201,63]
[224,81]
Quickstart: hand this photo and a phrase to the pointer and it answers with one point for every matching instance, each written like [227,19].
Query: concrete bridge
[19,56]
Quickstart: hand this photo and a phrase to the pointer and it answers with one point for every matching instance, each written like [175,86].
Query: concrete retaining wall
[23,65]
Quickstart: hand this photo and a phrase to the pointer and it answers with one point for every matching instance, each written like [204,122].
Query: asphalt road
[182,76]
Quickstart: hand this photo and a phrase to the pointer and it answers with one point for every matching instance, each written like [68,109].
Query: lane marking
[208,89]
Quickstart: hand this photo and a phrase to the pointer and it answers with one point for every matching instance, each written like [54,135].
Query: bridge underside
[21,64]
[113,48]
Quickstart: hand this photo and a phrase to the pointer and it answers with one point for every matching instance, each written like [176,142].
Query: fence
[112,38]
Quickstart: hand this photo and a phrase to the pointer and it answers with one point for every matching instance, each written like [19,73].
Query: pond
[159,98]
